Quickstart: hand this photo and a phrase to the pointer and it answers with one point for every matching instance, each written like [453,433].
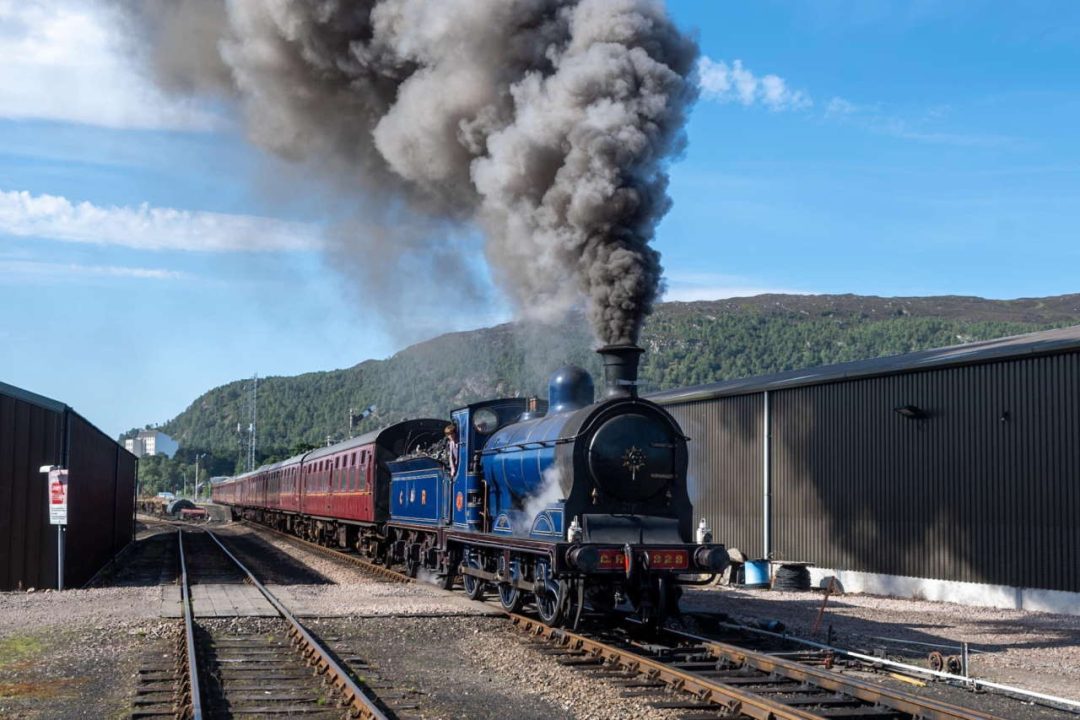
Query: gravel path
[74,654]
[84,666]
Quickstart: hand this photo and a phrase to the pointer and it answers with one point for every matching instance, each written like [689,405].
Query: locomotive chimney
[620,370]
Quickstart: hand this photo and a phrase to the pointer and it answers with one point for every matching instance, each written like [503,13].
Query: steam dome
[570,388]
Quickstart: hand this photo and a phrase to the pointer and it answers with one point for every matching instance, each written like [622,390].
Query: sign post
[58,507]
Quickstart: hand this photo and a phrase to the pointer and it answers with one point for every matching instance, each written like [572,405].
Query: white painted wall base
[962,593]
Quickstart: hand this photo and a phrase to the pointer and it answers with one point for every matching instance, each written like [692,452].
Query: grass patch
[17,648]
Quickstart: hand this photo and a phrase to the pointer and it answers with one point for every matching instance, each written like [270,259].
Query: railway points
[707,668]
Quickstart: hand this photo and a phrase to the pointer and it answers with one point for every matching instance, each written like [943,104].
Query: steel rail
[312,649]
[747,703]
[1009,690]
[869,692]
[703,688]
[737,702]
[195,691]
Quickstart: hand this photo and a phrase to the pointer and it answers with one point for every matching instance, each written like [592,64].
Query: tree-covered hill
[686,343]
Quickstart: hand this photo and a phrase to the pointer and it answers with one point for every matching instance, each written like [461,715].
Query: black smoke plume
[547,123]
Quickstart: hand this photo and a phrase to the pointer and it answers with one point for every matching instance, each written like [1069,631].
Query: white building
[151,442]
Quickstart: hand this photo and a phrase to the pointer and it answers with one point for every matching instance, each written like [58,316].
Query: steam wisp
[549,493]
[547,123]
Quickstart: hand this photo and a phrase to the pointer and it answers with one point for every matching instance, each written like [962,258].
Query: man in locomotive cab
[452,447]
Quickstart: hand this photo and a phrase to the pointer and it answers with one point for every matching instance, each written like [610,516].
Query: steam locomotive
[568,504]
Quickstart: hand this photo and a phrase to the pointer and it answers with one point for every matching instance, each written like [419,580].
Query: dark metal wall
[725,474]
[127,471]
[100,494]
[30,436]
[985,488]
[94,491]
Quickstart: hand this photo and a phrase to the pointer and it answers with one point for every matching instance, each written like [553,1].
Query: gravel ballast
[477,668]
[1035,651]
[76,653]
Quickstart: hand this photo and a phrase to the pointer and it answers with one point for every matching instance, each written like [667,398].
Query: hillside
[687,344]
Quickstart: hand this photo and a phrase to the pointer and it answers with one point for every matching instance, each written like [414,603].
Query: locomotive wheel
[510,598]
[474,586]
[446,582]
[551,603]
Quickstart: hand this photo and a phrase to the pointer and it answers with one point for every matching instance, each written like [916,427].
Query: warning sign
[58,496]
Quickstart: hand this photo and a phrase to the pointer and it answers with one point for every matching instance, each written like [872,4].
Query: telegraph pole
[197,456]
[254,416]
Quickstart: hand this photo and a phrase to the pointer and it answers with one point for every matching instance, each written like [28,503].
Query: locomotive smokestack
[620,370]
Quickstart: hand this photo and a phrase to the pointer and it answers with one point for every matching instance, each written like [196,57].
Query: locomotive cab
[475,425]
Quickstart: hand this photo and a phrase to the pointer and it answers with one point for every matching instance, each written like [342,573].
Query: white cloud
[32,269]
[734,83]
[62,61]
[839,107]
[688,287]
[874,119]
[148,228]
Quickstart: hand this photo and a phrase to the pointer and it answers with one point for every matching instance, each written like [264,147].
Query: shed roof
[1017,346]
[32,398]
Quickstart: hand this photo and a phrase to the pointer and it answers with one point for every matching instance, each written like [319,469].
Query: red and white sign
[58,496]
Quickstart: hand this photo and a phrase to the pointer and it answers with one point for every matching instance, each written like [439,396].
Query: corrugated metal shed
[726,451]
[31,435]
[982,484]
[37,431]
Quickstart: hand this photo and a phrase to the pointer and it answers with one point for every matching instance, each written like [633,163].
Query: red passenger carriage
[332,495]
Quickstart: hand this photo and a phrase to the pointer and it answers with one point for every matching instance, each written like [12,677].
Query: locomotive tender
[569,503]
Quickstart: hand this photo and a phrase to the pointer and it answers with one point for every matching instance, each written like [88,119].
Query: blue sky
[148,252]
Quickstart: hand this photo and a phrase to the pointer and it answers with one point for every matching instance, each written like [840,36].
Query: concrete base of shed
[962,593]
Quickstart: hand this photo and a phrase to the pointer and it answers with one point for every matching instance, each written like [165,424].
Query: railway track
[273,667]
[716,680]
[705,678]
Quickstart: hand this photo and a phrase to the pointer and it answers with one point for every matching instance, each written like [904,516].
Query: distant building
[151,442]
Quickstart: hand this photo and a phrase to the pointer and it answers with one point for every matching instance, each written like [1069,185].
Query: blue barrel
[756,573]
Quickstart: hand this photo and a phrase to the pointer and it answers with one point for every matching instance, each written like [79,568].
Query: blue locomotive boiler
[570,504]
